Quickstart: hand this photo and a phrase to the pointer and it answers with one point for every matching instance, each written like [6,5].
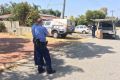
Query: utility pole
[112,11]
[63,11]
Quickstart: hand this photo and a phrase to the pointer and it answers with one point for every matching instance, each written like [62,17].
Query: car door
[77,29]
[80,29]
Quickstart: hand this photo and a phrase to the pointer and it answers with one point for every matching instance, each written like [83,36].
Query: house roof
[101,20]
[48,17]
[43,16]
[5,16]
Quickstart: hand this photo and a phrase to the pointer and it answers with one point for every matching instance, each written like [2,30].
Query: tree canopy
[4,9]
[51,12]
[94,15]
[104,10]
[20,12]
[89,15]
[25,13]
[31,17]
[82,20]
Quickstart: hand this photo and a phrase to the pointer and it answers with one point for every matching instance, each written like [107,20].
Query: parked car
[59,27]
[82,29]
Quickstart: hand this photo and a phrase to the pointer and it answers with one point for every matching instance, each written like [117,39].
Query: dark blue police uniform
[41,52]
[93,30]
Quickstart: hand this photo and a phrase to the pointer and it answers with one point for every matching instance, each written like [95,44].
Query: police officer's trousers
[41,55]
[93,33]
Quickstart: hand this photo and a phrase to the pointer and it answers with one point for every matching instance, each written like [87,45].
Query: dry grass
[51,39]
[118,28]
[26,35]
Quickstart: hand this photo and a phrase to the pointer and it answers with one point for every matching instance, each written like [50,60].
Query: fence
[14,28]
[23,30]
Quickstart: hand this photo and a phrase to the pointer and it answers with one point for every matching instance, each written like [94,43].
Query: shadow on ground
[9,45]
[76,49]
[111,38]
[72,38]
[71,49]
[31,73]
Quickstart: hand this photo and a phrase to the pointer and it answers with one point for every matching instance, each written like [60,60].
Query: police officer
[93,30]
[41,53]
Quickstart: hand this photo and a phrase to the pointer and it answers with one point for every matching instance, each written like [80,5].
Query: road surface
[89,59]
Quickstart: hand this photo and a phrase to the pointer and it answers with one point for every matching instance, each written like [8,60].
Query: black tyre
[84,32]
[55,34]
[114,36]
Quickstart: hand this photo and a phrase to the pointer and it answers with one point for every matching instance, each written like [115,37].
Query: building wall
[13,27]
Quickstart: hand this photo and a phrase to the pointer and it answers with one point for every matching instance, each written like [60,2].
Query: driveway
[87,59]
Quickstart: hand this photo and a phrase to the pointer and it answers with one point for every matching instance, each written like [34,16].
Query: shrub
[31,17]
[2,27]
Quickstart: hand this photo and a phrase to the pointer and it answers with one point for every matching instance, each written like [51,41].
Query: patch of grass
[25,35]
[118,28]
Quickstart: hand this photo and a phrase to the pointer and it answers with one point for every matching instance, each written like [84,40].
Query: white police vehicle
[59,27]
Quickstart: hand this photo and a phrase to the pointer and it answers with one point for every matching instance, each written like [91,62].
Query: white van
[59,27]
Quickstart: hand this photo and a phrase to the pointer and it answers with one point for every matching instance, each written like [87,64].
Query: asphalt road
[89,59]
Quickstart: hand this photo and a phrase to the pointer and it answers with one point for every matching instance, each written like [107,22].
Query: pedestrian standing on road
[93,30]
[41,53]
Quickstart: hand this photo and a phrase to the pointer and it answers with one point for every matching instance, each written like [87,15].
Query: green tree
[20,11]
[31,17]
[25,13]
[117,22]
[94,15]
[4,9]
[51,12]
[36,7]
[104,10]
[2,27]
[72,18]
[13,4]
[44,11]
[81,20]
[57,13]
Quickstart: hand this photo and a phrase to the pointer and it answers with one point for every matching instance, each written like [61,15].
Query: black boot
[50,71]
[41,70]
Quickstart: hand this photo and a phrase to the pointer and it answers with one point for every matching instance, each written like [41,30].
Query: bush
[20,12]
[2,27]
[31,17]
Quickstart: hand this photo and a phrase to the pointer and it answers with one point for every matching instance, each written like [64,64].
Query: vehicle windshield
[106,25]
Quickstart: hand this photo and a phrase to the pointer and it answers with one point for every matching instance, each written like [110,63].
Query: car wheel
[84,32]
[55,34]
[114,36]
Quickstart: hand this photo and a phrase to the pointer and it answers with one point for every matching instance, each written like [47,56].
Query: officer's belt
[37,41]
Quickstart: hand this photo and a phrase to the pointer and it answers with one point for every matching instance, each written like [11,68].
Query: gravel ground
[89,59]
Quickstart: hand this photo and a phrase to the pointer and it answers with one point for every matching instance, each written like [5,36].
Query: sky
[75,7]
